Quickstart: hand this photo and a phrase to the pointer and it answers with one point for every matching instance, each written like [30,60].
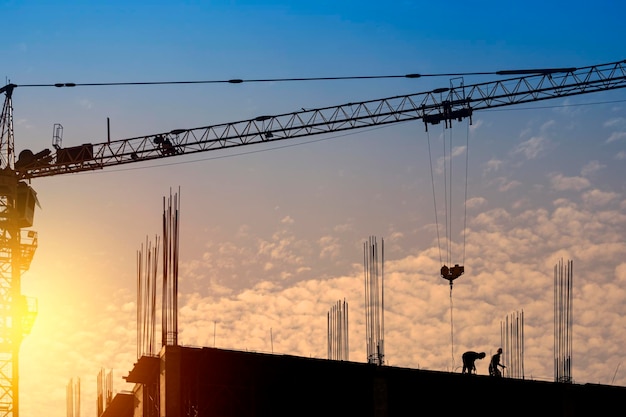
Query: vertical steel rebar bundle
[72,398]
[512,341]
[563,301]
[169,326]
[105,390]
[147,270]
[374,301]
[338,348]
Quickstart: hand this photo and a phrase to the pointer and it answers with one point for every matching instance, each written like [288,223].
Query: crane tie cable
[541,71]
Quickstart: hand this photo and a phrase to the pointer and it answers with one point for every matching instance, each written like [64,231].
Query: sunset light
[485,144]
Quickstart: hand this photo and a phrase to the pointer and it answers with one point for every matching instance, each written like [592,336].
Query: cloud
[509,268]
[548,125]
[85,103]
[476,202]
[282,246]
[617,121]
[493,165]
[329,247]
[615,136]
[521,203]
[532,148]
[341,228]
[476,125]
[570,108]
[504,184]
[560,182]
[598,198]
[456,152]
[395,235]
[591,168]
[243,229]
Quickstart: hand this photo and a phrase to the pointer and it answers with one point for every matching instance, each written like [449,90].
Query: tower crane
[18,199]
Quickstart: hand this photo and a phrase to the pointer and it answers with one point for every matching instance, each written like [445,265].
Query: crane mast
[16,252]
[18,199]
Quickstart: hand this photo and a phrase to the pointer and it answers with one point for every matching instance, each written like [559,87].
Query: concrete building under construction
[189,381]
[179,381]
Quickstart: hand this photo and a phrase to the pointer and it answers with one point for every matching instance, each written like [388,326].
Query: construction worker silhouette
[495,362]
[468,361]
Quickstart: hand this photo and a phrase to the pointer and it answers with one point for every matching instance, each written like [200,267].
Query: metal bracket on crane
[57,135]
[448,114]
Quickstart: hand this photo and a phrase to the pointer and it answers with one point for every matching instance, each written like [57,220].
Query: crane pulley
[452,273]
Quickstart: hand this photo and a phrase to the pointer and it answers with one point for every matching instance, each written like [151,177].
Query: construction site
[185,381]
[174,380]
[205,381]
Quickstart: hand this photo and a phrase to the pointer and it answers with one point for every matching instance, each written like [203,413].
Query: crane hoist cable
[432,179]
[454,272]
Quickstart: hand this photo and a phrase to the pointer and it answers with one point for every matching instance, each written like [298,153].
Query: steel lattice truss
[445,104]
[7,334]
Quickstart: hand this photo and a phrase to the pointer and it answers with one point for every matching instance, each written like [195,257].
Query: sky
[271,236]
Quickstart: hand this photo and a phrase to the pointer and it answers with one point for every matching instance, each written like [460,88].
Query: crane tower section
[17,247]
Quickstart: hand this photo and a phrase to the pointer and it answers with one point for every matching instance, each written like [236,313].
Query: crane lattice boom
[443,104]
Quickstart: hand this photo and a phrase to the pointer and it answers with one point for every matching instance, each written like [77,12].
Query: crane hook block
[452,273]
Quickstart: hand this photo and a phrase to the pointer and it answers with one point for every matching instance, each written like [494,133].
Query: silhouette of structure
[104,390]
[512,338]
[213,382]
[338,348]
[374,271]
[563,301]
[147,272]
[171,215]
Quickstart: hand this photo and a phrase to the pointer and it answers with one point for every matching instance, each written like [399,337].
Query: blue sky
[272,236]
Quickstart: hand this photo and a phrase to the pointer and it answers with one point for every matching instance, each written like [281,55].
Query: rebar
[563,321]
[338,348]
[374,301]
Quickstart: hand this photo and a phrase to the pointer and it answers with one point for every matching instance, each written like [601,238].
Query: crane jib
[433,107]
